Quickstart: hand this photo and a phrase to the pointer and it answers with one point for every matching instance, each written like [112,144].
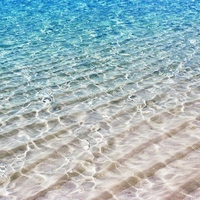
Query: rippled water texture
[100,99]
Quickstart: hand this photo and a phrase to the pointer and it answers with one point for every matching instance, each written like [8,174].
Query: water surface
[99,99]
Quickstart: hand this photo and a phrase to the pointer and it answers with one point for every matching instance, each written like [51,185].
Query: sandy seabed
[115,147]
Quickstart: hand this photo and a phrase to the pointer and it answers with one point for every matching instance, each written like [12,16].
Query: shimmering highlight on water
[99,100]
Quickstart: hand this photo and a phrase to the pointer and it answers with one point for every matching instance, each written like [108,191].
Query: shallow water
[99,100]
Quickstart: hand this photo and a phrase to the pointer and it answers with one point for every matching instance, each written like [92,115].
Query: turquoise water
[95,93]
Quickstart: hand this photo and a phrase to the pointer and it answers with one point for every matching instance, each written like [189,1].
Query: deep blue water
[83,64]
[46,43]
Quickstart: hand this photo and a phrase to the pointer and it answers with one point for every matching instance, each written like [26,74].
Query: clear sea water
[99,99]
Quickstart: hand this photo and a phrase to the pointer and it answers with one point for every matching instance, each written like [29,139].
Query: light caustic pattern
[99,100]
